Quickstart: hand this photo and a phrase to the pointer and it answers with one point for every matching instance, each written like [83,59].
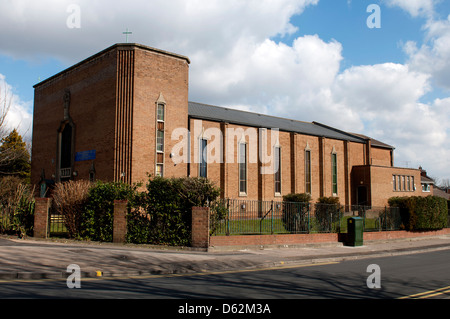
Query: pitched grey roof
[375,142]
[232,116]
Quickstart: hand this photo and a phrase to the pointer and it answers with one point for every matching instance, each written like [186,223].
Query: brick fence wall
[299,239]
[201,231]
[202,239]
[200,227]
[120,221]
[41,217]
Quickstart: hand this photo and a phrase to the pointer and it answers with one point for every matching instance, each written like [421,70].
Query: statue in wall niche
[66,104]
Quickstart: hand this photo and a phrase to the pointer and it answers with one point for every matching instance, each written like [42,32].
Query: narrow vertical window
[408,183]
[203,167]
[160,141]
[277,174]
[394,182]
[160,135]
[413,186]
[243,168]
[160,170]
[308,172]
[403,183]
[334,173]
[160,112]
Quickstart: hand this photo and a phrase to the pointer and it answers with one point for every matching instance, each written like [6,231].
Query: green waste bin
[355,230]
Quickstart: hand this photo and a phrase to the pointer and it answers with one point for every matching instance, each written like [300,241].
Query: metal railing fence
[240,217]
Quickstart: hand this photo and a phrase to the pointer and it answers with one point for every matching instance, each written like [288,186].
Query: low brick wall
[386,235]
[299,239]
[267,240]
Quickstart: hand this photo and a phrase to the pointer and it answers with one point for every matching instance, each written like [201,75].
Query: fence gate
[56,224]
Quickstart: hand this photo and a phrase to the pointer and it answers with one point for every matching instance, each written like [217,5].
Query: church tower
[110,117]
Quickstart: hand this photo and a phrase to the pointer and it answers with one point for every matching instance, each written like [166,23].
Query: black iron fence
[233,217]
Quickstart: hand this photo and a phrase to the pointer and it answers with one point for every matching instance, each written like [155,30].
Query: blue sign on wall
[85,156]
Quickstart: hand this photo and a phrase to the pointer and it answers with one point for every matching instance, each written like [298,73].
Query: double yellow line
[428,294]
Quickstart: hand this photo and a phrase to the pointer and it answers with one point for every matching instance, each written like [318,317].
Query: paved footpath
[42,259]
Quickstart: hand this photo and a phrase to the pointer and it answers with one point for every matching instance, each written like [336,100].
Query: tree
[14,156]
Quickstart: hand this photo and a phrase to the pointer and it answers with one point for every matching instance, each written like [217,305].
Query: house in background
[124,113]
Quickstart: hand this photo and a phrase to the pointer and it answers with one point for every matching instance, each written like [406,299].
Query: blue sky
[312,60]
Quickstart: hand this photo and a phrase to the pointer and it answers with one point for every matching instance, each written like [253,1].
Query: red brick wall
[120,221]
[41,217]
[157,74]
[113,106]
[298,239]
[200,227]
[264,240]
[92,86]
[382,187]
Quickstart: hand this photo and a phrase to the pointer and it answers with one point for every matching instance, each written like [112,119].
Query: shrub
[421,213]
[69,199]
[98,216]
[16,207]
[328,213]
[296,212]
[165,213]
[297,198]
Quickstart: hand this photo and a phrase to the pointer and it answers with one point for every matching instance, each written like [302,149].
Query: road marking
[222,272]
[428,294]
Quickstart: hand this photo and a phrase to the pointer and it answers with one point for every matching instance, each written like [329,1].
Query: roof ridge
[236,116]
[255,113]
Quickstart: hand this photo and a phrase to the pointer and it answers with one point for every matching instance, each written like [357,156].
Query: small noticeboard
[85,156]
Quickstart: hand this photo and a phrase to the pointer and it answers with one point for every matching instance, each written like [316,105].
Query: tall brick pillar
[120,221]
[41,217]
[200,227]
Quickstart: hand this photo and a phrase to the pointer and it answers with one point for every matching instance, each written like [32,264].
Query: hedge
[296,212]
[164,212]
[421,213]
[98,218]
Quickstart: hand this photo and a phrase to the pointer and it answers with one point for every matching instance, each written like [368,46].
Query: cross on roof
[127,33]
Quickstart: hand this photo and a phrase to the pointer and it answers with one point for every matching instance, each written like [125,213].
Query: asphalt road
[424,275]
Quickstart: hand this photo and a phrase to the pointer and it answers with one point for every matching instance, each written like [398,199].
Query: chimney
[422,171]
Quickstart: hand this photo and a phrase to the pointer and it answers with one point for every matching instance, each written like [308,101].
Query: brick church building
[124,113]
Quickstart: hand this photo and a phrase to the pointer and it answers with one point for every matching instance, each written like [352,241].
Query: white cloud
[18,116]
[414,7]
[433,56]
[184,26]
